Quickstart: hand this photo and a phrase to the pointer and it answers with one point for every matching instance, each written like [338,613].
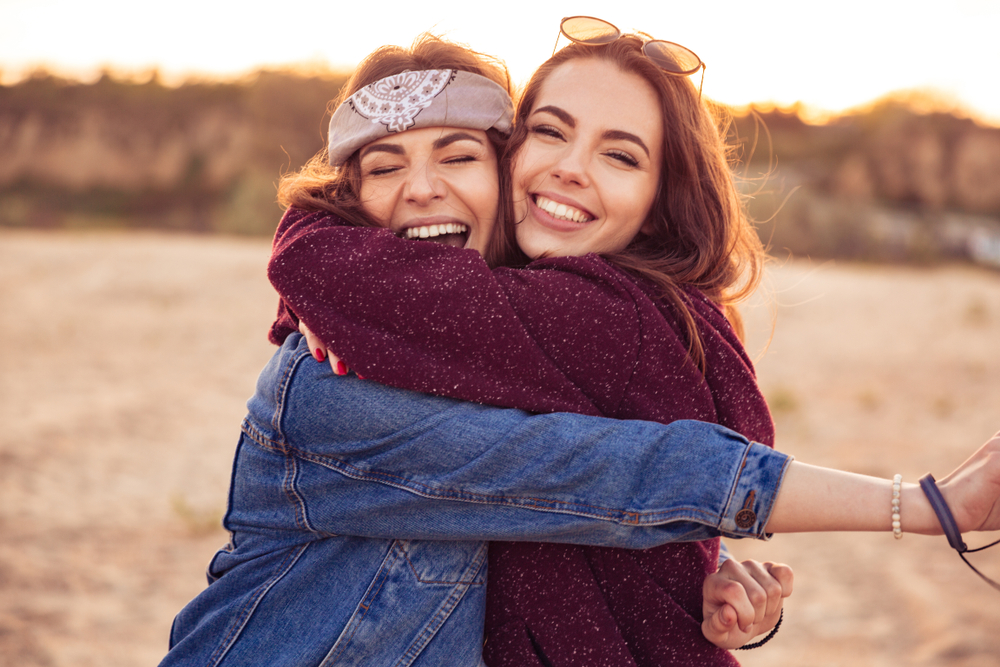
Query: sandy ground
[126,360]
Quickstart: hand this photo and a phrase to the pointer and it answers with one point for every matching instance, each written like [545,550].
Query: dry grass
[126,361]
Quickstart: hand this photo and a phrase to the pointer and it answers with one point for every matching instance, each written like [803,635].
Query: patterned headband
[411,100]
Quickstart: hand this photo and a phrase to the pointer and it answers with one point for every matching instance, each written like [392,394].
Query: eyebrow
[449,139]
[565,117]
[396,149]
[382,147]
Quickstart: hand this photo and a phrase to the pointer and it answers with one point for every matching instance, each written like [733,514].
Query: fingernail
[360,376]
[319,355]
[341,368]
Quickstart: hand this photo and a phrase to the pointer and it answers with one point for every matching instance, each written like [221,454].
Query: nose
[571,168]
[425,185]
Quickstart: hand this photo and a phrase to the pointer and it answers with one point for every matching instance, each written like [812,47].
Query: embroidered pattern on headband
[396,100]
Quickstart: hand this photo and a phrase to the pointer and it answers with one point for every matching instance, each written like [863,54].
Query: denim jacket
[359,514]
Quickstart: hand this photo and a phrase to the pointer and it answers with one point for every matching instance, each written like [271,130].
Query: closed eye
[382,171]
[548,131]
[623,157]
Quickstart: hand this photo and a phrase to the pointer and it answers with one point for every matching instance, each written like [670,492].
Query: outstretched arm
[375,461]
[821,499]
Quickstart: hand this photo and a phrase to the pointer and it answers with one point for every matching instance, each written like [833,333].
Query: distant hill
[202,156]
[889,183]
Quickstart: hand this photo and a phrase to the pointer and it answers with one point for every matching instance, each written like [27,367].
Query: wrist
[917,514]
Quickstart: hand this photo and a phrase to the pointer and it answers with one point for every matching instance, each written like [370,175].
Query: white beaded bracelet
[897,527]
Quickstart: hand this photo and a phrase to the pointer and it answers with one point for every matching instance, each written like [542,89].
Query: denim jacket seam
[295,498]
[416,575]
[281,392]
[247,610]
[444,611]
[366,598]
[620,516]
[735,486]
[257,436]
[774,496]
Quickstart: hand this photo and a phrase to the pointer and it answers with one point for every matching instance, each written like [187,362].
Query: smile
[561,211]
[450,233]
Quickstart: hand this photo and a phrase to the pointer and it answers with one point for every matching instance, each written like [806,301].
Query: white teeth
[430,231]
[561,211]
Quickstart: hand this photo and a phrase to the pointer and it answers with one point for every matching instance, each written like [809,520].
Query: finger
[316,346]
[719,627]
[756,588]
[775,579]
[783,575]
[734,595]
[338,366]
[738,584]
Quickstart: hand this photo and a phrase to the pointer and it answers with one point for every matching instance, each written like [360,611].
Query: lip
[545,219]
[431,220]
[417,223]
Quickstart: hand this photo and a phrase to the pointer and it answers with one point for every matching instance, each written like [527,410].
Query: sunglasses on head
[670,57]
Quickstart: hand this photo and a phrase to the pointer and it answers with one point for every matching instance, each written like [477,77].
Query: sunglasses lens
[588,30]
[672,57]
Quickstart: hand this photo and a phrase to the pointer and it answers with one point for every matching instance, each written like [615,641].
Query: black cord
[950,527]
[770,635]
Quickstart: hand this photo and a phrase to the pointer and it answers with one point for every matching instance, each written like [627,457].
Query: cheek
[377,201]
[522,172]
[481,194]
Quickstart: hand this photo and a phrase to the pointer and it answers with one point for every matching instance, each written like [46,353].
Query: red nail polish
[360,376]
[341,368]
[319,355]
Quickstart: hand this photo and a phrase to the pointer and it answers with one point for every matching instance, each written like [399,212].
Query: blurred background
[139,151]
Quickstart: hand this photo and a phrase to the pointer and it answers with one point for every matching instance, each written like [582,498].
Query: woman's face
[435,183]
[586,176]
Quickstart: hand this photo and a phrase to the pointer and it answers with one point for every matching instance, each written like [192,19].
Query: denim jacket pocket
[418,585]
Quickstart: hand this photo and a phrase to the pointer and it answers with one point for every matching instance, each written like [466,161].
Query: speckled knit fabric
[567,334]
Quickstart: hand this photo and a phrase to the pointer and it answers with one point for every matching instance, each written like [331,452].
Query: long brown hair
[319,187]
[701,233]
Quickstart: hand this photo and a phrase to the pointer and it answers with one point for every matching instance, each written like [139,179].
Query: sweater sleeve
[427,317]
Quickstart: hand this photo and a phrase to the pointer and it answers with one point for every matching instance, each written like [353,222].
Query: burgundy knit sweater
[570,334]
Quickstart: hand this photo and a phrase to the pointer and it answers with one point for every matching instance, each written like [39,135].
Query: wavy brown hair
[701,233]
[318,186]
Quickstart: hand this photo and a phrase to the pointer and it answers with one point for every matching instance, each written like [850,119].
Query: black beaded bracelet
[770,635]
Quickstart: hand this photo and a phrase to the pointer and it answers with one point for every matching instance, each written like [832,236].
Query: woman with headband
[445,324]
[347,496]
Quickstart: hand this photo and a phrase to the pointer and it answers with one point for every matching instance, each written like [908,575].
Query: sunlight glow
[826,57]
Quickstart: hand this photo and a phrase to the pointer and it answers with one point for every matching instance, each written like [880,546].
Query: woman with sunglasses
[356,533]
[658,201]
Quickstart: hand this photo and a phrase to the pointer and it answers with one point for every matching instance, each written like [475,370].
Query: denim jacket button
[746,518]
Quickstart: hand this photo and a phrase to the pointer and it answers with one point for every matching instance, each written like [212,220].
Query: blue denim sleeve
[375,461]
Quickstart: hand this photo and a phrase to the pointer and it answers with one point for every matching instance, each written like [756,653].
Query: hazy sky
[828,55]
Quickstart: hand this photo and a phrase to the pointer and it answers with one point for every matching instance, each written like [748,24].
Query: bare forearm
[814,499]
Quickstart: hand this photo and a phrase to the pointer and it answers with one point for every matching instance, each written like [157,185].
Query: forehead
[427,139]
[600,92]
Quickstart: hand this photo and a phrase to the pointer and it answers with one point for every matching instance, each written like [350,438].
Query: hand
[743,600]
[320,351]
[972,490]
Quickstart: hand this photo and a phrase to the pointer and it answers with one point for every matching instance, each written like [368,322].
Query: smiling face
[434,183]
[587,174]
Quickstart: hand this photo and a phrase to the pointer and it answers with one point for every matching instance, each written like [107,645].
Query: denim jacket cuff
[756,487]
